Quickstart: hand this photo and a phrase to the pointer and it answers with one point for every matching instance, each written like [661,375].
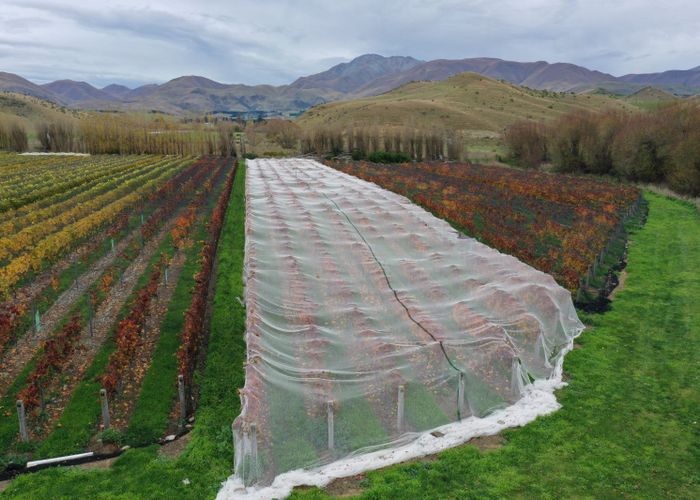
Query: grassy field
[630,422]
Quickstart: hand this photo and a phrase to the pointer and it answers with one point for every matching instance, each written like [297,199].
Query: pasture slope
[630,422]
[628,426]
[468,102]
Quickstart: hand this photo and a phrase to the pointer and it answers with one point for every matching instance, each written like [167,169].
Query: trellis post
[254,446]
[106,421]
[22,416]
[331,425]
[400,409]
[90,317]
[183,400]
[37,320]
[460,395]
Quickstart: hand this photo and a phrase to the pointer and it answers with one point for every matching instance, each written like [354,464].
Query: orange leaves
[54,282]
[182,227]
[61,226]
[106,281]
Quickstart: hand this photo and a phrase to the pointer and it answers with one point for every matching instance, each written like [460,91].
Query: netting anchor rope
[388,282]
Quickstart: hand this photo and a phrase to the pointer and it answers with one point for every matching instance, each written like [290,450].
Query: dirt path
[621,284]
[105,317]
[14,359]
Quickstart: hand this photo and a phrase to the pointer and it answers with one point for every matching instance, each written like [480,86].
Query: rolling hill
[71,91]
[468,102]
[651,97]
[14,83]
[29,110]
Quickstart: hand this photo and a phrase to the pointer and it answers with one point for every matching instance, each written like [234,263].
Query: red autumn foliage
[192,334]
[556,223]
[129,332]
[55,353]
[175,191]
[9,315]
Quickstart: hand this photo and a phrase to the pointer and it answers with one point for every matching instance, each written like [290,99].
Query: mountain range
[367,75]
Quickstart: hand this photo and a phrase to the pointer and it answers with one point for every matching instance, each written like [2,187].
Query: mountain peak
[347,77]
[193,81]
[71,90]
[118,91]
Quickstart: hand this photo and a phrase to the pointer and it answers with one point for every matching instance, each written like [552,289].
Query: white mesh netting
[369,321]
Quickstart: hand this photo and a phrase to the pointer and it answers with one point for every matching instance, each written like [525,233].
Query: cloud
[275,41]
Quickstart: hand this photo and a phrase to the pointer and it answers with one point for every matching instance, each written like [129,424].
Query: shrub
[684,174]
[357,154]
[283,132]
[659,146]
[527,144]
[13,137]
[636,152]
[388,157]
[564,143]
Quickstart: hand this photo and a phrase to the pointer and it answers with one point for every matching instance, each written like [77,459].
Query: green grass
[207,461]
[630,422]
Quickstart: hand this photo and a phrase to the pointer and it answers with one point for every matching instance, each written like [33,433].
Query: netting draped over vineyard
[368,320]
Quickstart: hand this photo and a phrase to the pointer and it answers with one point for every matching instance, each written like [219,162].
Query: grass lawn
[629,426]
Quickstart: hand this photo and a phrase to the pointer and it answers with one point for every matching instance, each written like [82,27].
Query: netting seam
[388,282]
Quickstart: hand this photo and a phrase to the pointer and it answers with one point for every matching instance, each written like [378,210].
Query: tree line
[123,134]
[660,146]
[361,143]
[13,136]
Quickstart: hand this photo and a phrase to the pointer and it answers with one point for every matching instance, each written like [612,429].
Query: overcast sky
[275,41]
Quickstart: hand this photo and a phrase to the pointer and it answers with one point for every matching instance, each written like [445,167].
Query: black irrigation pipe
[14,470]
[388,282]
